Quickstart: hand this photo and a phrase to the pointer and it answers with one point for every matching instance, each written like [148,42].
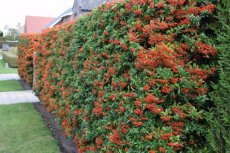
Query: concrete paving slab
[14,97]
[9,77]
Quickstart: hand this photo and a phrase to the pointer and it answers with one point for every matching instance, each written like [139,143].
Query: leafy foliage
[219,117]
[13,50]
[26,47]
[131,76]
[1,34]
[11,59]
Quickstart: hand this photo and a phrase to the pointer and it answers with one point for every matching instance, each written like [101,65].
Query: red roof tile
[35,24]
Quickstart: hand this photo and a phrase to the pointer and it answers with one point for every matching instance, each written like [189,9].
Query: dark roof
[91,4]
[88,5]
[68,12]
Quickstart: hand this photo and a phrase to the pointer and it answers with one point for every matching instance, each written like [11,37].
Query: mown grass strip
[22,131]
[10,85]
[4,70]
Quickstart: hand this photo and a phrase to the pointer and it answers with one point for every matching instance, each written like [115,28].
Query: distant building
[35,24]
[80,7]
[62,18]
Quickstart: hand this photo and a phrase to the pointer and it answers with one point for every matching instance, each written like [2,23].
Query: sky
[14,11]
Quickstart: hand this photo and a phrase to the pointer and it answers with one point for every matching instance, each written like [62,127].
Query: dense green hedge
[131,76]
[11,59]
[219,116]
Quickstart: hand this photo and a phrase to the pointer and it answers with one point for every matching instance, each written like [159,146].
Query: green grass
[10,85]
[4,70]
[22,131]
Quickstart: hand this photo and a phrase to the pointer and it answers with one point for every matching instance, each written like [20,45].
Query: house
[65,17]
[35,24]
[80,7]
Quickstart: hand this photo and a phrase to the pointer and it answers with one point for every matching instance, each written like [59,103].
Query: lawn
[4,70]
[22,131]
[10,85]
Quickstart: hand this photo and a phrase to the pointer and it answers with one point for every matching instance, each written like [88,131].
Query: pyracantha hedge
[131,76]
[27,45]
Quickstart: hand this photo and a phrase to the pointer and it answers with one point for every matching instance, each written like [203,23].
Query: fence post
[6,65]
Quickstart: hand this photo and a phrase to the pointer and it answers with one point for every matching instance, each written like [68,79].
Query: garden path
[14,97]
[9,77]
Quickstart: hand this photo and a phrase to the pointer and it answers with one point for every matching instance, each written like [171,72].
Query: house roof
[89,5]
[67,12]
[35,24]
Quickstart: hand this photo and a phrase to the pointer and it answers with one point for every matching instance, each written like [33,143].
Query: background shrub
[11,59]
[131,76]
[13,50]
[219,116]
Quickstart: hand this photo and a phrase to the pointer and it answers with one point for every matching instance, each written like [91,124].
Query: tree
[12,34]
[1,34]
[20,28]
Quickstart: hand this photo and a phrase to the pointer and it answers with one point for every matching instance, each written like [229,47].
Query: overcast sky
[14,11]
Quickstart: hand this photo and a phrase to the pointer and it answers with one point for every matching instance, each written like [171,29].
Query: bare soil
[66,145]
